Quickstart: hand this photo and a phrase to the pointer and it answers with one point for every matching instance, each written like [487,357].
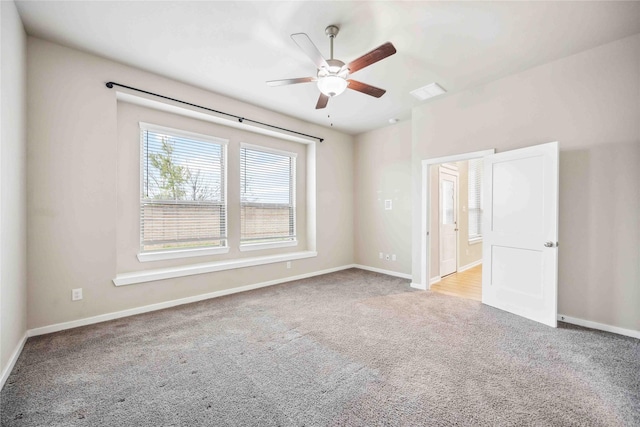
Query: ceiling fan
[333,75]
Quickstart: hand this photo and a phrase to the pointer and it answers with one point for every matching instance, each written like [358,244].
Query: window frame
[475,238]
[157,255]
[254,246]
[166,270]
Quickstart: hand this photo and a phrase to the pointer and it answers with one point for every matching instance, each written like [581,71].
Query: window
[475,199]
[182,203]
[267,197]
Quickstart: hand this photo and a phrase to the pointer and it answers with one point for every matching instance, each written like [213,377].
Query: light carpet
[352,348]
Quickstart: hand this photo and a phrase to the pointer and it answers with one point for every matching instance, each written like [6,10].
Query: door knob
[548,244]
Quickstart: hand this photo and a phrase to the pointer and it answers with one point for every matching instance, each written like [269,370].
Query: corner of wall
[13,141]
[382,213]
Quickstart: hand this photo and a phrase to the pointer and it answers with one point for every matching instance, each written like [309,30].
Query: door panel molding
[520,273]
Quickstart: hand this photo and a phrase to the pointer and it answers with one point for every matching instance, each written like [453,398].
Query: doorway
[520,221]
[456,242]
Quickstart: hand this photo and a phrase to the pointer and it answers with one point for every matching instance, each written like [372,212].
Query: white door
[448,221]
[520,232]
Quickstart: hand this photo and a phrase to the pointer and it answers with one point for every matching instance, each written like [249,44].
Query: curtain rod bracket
[110,85]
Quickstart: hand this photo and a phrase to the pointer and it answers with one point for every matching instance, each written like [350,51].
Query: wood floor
[467,284]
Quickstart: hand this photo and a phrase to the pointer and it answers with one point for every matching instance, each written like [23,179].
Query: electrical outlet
[393,257]
[76,294]
[381,255]
[288,264]
[387,257]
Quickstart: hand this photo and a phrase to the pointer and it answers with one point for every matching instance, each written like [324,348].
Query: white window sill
[183,253]
[207,267]
[260,246]
[475,241]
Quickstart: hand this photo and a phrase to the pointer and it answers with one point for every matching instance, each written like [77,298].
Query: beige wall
[382,164]
[75,207]
[590,103]
[13,141]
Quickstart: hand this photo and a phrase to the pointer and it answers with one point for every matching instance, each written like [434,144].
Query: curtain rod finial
[110,85]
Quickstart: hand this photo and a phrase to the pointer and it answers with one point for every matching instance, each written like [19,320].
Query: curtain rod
[110,85]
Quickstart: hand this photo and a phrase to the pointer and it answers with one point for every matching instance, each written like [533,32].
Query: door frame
[425,218]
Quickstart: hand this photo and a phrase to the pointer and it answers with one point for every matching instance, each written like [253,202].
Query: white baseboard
[380,270]
[12,361]
[600,326]
[470,265]
[167,304]
[434,280]
[418,286]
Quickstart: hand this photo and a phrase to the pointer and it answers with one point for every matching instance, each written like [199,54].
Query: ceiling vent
[428,91]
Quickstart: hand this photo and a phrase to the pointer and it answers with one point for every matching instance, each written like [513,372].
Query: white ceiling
[233,47]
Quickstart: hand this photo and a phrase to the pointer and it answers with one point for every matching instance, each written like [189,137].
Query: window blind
[475,199]
[182,204]
[267,199]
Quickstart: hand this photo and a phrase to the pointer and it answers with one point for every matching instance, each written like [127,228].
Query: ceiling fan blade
[322,101]
[372,57]
[365,88]
[306,45]
[291,81]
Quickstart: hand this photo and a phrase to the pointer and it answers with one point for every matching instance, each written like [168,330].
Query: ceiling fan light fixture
[332,85]
[333,75]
